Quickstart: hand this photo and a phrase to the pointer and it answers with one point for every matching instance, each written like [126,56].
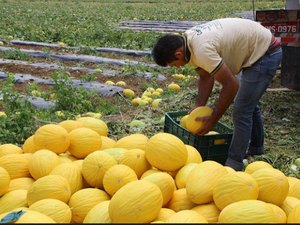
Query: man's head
[169,51]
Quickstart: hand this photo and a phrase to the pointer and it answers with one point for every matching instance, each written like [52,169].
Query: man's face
[180,59]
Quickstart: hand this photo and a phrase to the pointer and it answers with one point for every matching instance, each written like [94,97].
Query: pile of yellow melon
[73,172]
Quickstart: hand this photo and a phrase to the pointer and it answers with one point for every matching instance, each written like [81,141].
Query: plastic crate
[206,145]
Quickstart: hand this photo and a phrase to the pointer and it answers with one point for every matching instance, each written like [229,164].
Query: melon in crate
[166,152]
[84,141]
[82,201]
[4,181]
[50,186]
[116,177]
[137,202]
[136,160]
[16,165]
[52,137]
[95,124]
[10,149]
[132,141]
[194,125]
[39,165]
[94,167]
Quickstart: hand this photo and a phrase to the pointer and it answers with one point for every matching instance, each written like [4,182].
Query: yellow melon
[216,141]
[10,149]
[202,179]
[294,187]
[12,200]
[166,152]
[164,214]
[271,181]
[107,142]
[180,201]
[28,216]
[57,210]
[129,93]
[186,216]
[116,153]
[136,160]
[247,211]
[201,111]
[279,214]
[16,165]
[116,177]
[98,214]
[294,215]
[72,173]
[209,210]
[39,165]
[182,174]
[21,183]
[174,87]
[136,202]
[150,171]
[289,204]
[229,169]
[94,167]
[50,186]
[82,201]
[95,124]
[193,155]
[70,125]
[66,157]
[52,137]
[132,141]
[29,146]
[165,183]
[233,187]
[182,121]
[256,165]
[84,141]
[4,181]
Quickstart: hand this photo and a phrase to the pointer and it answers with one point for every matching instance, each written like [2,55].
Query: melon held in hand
[202,111]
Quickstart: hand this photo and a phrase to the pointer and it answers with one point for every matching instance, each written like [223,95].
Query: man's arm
[205,86]
[230,86]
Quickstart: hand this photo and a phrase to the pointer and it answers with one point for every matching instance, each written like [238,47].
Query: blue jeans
[248,132]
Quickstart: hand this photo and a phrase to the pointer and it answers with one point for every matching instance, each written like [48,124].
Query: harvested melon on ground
[279,214]
[82,201]
[165,183]
[12,200]
[4,181]
[21,183]
[116,153]
[94,167]
[136,160]
[164,214]
[84,141]
[57,210]
[98,214]
[166,152]
[201,111]
[186,216]
[193,155]
[29,146]
[116,177]
[107,142]
[256,165]
[70,125]
[16,165]
[209,210]
[132,141]
[294,215]
[39,165]
[137,202]
[50,186]
[10,149]
[24,215]
[294,187]
[174,87]
[180,201]
[53,137]
[95,124]
[182,174]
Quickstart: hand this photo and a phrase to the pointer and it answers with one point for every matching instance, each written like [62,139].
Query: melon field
[83,120]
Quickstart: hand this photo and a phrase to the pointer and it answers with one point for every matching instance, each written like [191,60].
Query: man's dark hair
[165,47]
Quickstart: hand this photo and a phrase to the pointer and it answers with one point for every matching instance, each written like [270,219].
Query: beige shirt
[237,42]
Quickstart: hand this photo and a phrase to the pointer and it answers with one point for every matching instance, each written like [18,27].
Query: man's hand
[208,124]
